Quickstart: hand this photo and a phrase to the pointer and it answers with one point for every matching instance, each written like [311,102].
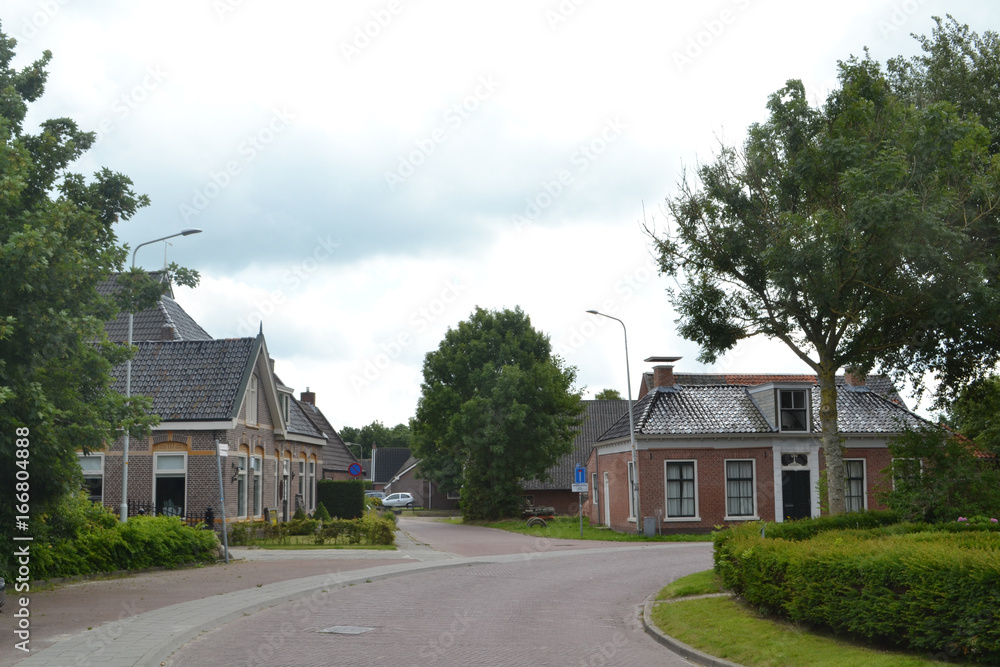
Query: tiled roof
[728,409]
[191,380]
[165,321]
[880,384]
[388,461]
[299,422]
[598,417]
[336,455]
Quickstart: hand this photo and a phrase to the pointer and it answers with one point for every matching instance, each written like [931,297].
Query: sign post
[580,487]
[222,449]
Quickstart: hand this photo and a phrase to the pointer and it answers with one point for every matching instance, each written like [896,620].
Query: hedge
[926,588]
[342,499]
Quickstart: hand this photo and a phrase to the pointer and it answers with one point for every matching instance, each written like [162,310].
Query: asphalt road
[496,599]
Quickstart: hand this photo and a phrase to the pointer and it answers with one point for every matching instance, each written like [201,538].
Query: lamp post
[128,377]
[631,428]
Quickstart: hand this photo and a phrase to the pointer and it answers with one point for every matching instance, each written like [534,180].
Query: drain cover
[346,630]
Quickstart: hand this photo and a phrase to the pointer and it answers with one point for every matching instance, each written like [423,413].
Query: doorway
[795,487]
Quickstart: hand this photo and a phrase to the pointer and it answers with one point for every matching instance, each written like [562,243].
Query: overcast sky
[366,173]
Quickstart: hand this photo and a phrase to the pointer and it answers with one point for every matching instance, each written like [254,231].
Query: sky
[365,174]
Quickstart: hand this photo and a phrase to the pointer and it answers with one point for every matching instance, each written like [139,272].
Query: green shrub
[302,526]
[245,533]
[928,588]
[321,513]
[300,514]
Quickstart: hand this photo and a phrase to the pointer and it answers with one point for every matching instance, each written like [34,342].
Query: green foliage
[81,537]
[608,395]
[370,529]
[937,477]
[299,514]
[57,242]
[378,434]
[321,513]
[976,414]
[344,499]
[860,233]
[302,526]
[496,407]
[931,588]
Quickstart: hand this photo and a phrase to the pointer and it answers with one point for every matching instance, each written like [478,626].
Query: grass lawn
[568,528]
[722,627]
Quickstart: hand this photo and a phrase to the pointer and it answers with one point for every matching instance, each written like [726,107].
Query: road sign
[580,476]
[223,449]
[354,469]
[579,488]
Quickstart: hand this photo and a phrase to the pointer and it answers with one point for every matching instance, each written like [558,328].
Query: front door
[795,494]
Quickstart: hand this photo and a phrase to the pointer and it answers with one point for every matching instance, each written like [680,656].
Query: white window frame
[311,486]
[805,409]
[90,474]
[277,466]
[753,486]
[864,483]
[257,469]
[252,401]
[666,491]
[170,473]
[593,486]
[242,501]
[453,495]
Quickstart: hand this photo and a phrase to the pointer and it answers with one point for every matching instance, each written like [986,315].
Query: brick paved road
[555,603]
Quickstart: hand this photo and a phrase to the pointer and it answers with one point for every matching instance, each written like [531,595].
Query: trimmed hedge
[343,499]
[927,588]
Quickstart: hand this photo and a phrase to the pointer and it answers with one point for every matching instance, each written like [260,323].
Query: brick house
[719,449]
[556,491]
[206,390]
[425,493]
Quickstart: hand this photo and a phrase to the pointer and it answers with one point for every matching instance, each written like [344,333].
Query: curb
[675,645]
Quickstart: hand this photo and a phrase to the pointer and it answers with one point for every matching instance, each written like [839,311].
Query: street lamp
[128,377]
[631,427]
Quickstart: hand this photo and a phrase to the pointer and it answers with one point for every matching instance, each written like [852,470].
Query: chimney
[663,372]
[308,397]
[854,380]
[167,332]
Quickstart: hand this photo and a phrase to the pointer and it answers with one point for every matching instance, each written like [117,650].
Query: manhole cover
[346,630]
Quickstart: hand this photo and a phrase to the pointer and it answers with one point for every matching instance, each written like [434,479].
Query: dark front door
[795,494]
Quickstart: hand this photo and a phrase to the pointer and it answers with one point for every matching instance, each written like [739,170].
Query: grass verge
[723,628]
[568,528]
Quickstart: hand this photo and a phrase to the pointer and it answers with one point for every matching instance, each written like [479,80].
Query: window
[593,487]
[277,464]
[631,489]
[93,475]
[792,409]
[286,470]
[170,472]
[311,486]
[740,489]
[256,469]
[241,486]
[854,479]
[302,480]
[252,401]
[285,401]
[682,492]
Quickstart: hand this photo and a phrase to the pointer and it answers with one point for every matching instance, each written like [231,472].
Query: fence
[146,508]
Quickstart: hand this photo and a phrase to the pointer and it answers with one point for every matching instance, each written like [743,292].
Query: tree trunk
[831,437]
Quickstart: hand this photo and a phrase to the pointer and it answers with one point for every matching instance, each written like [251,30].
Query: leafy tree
[937,476]
[496,407]
[378,434]
[57,242]
[608,395]
[852,232]
[976,415]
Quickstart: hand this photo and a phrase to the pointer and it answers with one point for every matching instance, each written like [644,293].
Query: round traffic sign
[354,469]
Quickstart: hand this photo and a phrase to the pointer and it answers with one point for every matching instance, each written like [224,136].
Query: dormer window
[792,410]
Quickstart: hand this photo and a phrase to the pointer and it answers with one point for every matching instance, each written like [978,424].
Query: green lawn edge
[568,528]
[722,627]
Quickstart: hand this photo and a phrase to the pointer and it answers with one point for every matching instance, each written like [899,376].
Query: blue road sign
[580,476]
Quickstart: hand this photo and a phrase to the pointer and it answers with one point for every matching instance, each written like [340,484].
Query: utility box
[649,526]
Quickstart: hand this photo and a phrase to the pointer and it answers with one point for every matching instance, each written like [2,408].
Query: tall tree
[849,232]
[378,434]
[608,395]
[496,408]
[57,242]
